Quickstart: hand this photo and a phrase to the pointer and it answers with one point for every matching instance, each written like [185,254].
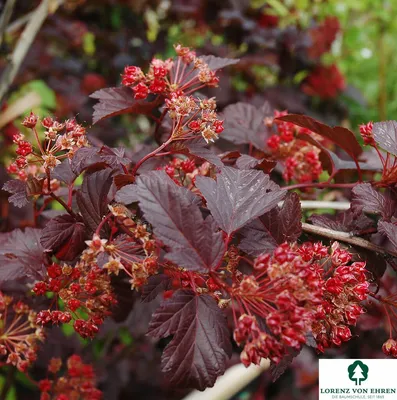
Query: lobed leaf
[178,222]
[346,221]
[214,63]
[367,199]
[339,135]
[385,135]
[119,100]
[239,196]
[127,194]
[247,162]
[92,197]
[275,227]
[198,352]
[199,148]
[244,124]
[64,173]
[64,236]
[390,230]
[22,256]
[155,285]
[18,190]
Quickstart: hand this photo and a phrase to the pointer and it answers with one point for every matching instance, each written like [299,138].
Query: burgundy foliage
[197,242]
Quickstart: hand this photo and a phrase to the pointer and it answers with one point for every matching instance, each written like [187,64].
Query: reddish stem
[150,155]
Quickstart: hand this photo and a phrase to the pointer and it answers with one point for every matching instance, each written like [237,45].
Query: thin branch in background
[235,379]
[5,18]
[18,23]
[25,41]
[346,238]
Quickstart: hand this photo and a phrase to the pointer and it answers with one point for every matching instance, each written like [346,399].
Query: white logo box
[368,379]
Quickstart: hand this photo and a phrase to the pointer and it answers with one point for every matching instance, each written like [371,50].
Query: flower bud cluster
[294,291]
[192,116]
[19,333]
[166,77]
[84,289]
[345,287]
[61,141]
[366,133]
[133,253]
[77,382]
[184,171]
[389,348]
[284,292]
[301,159]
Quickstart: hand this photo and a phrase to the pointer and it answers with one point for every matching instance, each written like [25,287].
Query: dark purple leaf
[155,285]
[385,135]
[114,157]
[256,239]
[21,255]
[244,123]
[247,162]
[198,148]
[64,236]
[63,172]
[237,196]
[34,186]
[127,194]
[390,230]
[275,227]
[84,158]
[346,221]
[367,199]
[18,189]
[276,370]
[332,162]
[92,197]
[198,352]
[215,63]
[119,100]
[173,212]
[339,135]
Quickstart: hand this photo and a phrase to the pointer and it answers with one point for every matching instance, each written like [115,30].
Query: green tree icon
[358,372]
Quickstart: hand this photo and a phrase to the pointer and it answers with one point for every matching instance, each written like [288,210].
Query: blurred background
[333,60]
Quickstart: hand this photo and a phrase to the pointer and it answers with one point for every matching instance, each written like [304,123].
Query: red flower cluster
[78,382]
[325,82]
[191,116]
[366,133]
[345,287]
[61,141]
[301,159]
[19,333]
[284,292]
[167,77]
[184,172]
[84,289]
[291,294]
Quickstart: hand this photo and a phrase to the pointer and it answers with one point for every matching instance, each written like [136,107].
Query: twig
[5,18]
[234,380]
[18,23]
[27,102]
[345,237]
[25,41]
[312,205]
[334,205]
